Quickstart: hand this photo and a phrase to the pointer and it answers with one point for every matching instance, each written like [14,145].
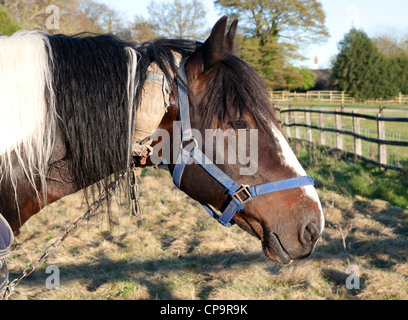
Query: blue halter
[238,194]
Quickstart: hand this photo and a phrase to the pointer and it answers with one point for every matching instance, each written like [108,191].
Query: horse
[72,108]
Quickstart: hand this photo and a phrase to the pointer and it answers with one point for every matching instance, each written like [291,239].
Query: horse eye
[239,124]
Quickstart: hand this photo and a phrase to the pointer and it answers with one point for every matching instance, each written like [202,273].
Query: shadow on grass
[377,254]
[152,274]
[205,269]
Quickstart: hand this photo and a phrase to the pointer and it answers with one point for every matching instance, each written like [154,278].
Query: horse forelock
[234,88]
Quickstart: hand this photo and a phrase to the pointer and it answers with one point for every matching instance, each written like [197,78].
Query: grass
[174,251]
[334,171]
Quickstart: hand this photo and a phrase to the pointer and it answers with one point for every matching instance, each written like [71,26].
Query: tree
[308,79]
[142,30]
[7,25]
[178,19]
[394,45]
[75,16]
[274,31]
[288,21]
[32,14]
[390,47]
[103,18]
[362,70]
[392,42]
[400,69]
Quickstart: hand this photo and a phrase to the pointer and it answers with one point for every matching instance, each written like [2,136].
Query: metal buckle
[245,196]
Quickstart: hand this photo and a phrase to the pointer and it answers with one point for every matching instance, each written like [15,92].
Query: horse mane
[95,110]
[161,51]
[84,87]
[92,80]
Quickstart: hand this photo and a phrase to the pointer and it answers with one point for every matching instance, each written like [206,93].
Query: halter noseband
[238,194]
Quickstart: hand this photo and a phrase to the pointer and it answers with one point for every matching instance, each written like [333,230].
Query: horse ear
[215,45]
[230,37]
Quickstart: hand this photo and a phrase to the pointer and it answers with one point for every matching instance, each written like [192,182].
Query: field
[174,251]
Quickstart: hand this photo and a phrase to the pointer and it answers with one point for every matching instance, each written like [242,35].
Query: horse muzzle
[284,250]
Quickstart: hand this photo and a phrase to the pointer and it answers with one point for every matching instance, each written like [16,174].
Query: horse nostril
[310,234]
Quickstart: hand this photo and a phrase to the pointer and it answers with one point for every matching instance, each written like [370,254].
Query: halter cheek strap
[238,194]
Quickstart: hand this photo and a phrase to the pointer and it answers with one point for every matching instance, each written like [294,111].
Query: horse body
[91,104]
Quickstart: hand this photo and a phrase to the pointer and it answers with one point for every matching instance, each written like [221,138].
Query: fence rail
[331,97]
[289,118]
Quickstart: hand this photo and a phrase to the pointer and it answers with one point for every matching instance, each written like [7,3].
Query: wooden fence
[330,97]
[290,118]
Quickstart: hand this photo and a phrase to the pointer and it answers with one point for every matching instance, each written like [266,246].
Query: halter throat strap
[238,195]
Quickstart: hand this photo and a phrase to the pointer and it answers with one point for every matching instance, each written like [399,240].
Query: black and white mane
[85,89]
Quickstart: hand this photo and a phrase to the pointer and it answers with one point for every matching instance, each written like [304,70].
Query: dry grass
[174,251]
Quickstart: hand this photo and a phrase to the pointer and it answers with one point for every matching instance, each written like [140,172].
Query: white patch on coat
[289,159]
[27,119]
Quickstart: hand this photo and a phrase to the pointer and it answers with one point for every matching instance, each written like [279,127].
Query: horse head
[227,100]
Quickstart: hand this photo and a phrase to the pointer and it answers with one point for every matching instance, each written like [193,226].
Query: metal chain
[110,190]
[134,191]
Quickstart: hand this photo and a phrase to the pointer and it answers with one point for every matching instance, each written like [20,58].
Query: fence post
[287,122]
[297,129]
[357,141]
[308,116]
[400,98]
[278,114]
[342,97]
[382,148]
[322,132]
[339,126]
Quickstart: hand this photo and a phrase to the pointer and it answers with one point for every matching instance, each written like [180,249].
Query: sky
[373,16]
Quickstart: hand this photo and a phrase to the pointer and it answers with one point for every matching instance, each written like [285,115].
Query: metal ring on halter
[192,139]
